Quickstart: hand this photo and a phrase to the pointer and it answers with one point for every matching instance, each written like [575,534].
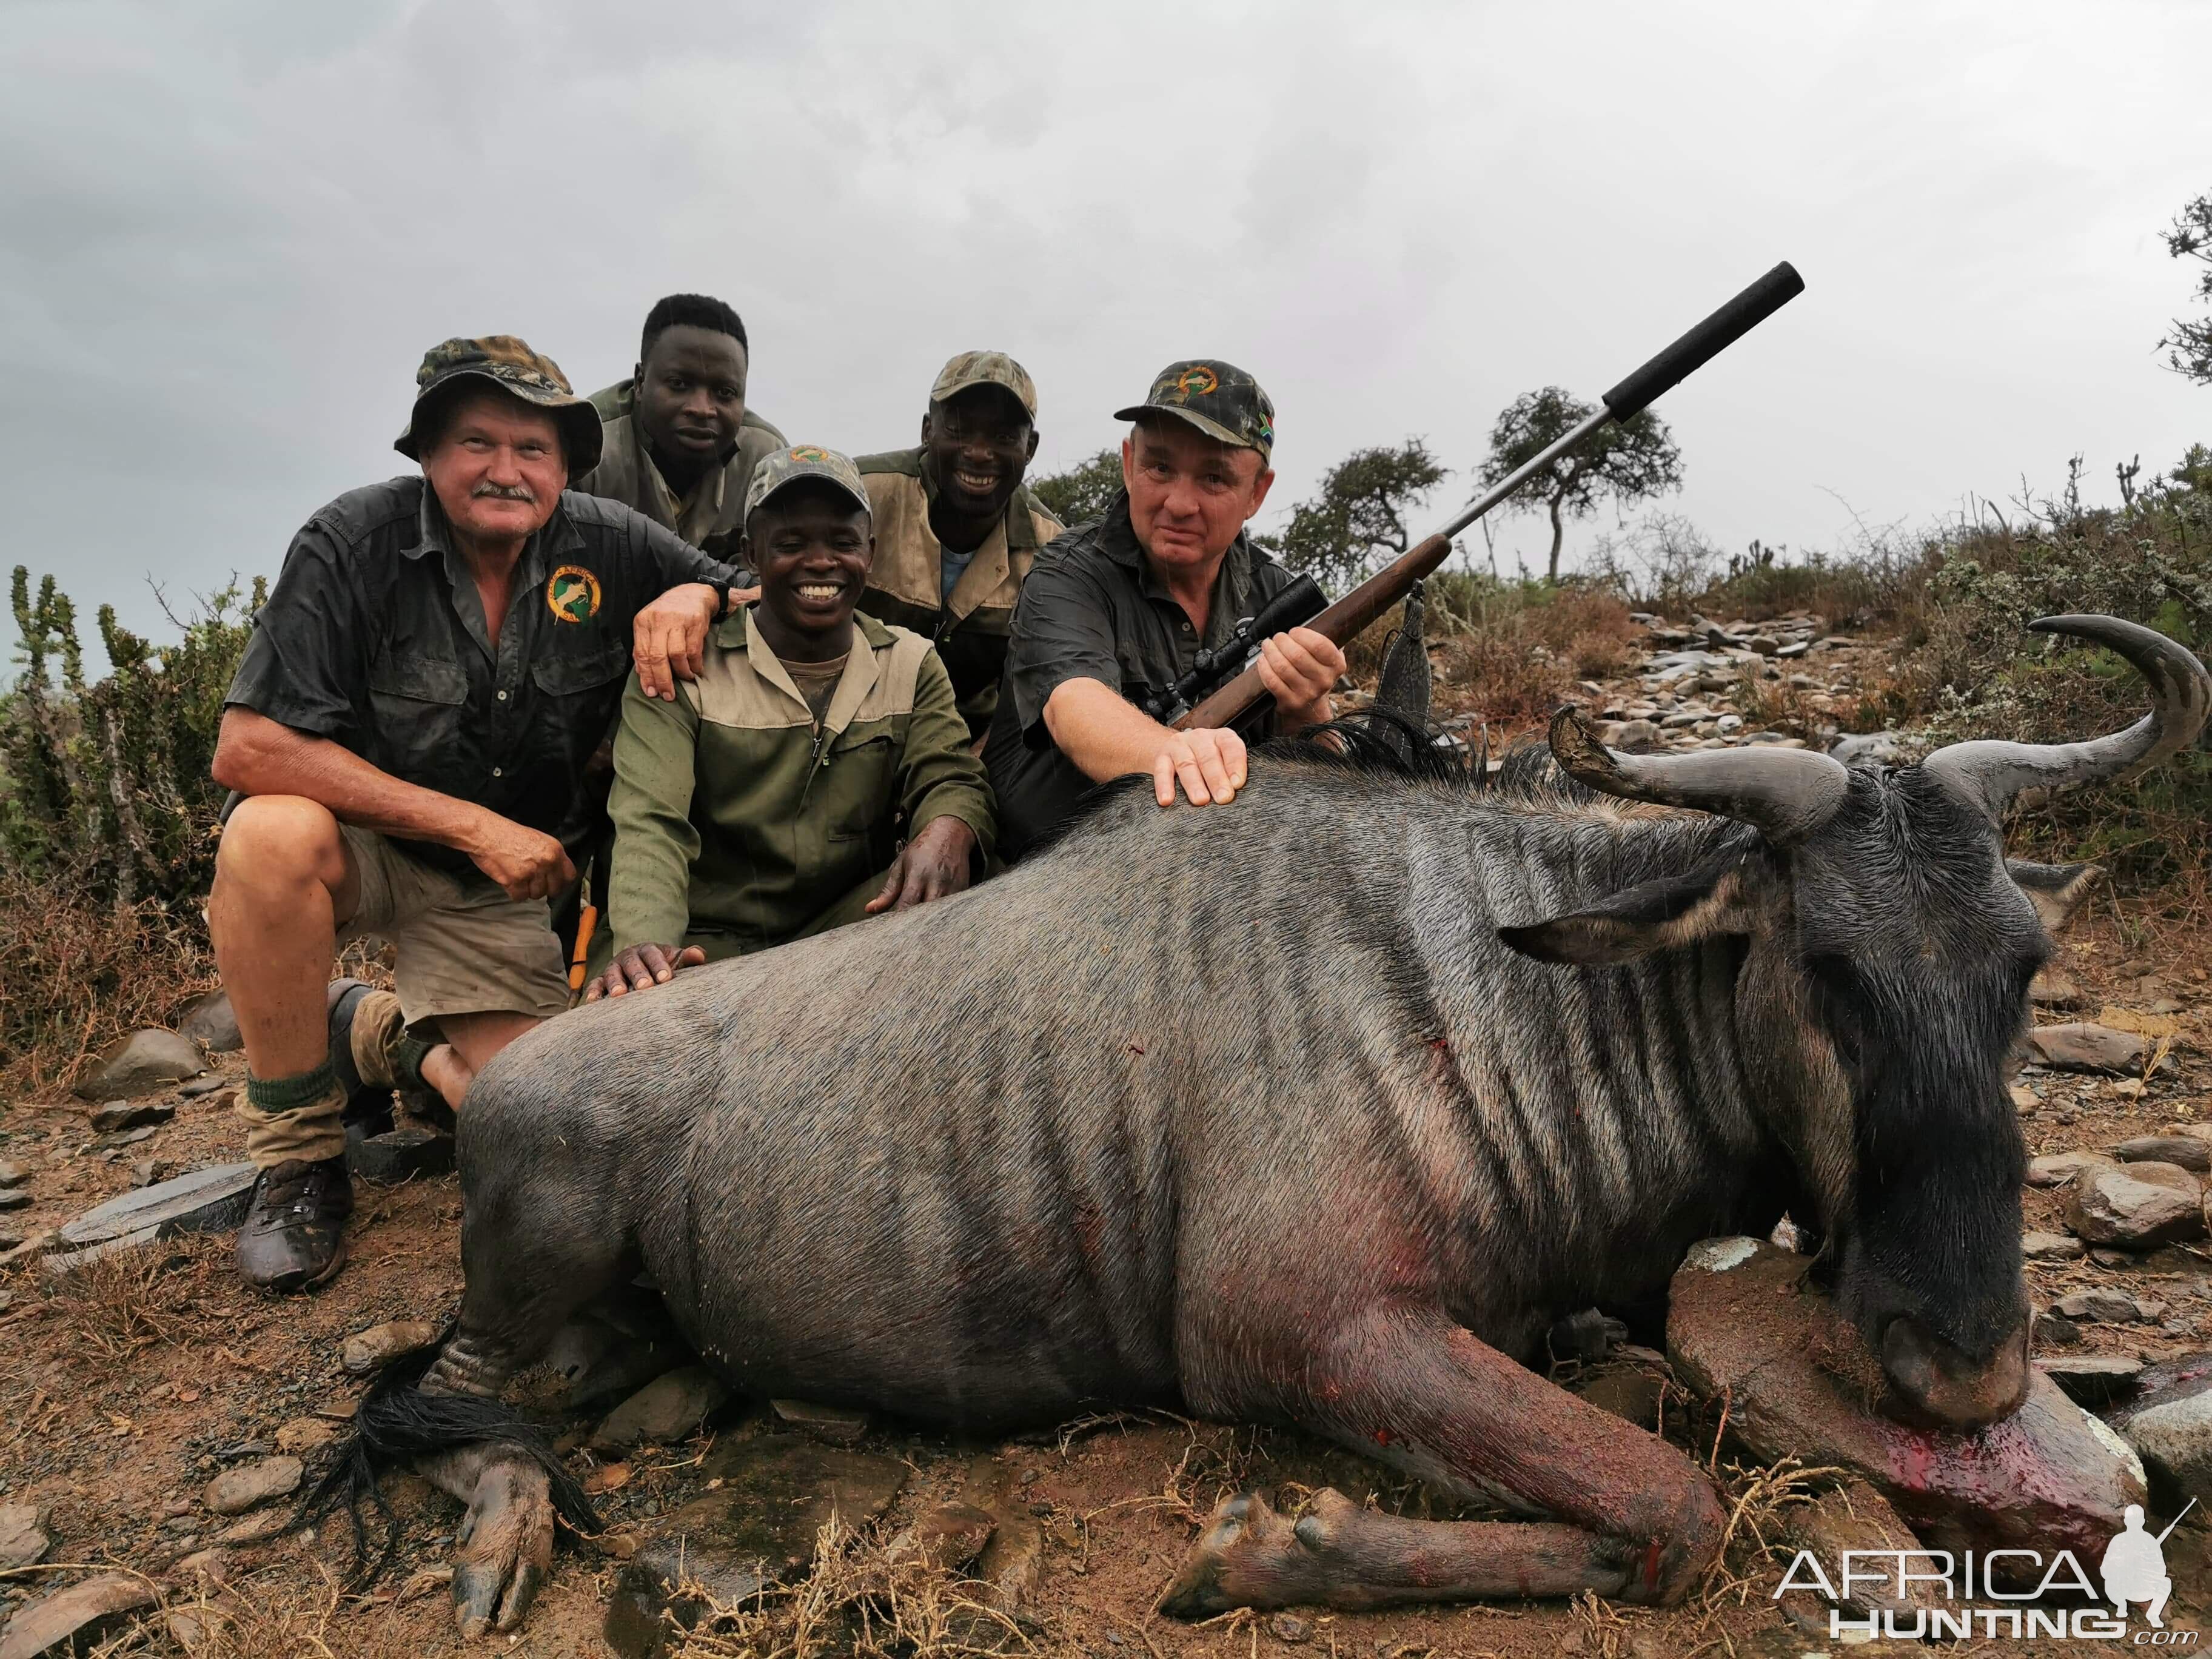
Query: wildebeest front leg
[1637,1519]
[522,1287]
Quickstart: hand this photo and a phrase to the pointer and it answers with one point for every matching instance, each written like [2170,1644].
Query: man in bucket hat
[1116,610]
[768,802]
[410,730]
[956,530]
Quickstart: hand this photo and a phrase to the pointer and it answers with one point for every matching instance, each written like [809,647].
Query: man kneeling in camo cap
[410,729]
[767,802]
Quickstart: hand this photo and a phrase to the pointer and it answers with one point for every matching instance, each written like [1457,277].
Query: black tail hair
[397,1421]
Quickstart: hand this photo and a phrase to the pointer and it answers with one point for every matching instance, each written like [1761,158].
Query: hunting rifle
[1344,620]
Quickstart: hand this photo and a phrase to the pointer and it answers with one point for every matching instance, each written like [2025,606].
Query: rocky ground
[157,1420]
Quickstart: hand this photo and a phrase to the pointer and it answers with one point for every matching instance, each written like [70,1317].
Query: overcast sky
[230,230]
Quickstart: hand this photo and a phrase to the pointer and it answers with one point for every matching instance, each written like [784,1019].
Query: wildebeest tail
[399,1421]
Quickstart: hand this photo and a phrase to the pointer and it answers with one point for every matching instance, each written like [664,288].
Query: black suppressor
[1295,606]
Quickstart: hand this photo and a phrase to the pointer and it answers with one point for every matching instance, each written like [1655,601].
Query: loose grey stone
[2050,1247]
[379,1344]
[2186,1151]
[833,1425]
[16,1198]
[2084,1045]
[2137,1207]
[668,1408]
[759,1527]
[205,1200]
[114,1120]
[2093,1379]
[23,1539]
[203,1085]
[210,1022]
[76,1619]
[2057,1169]
[236,1490]
[143,1061]
[12,1174]
[399,1155]
[2169,1424]
[2103,1304]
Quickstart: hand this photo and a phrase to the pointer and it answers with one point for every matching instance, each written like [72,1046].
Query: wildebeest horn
[1787,793]
[1990,773]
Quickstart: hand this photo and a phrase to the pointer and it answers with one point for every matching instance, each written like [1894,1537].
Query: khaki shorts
[462,950]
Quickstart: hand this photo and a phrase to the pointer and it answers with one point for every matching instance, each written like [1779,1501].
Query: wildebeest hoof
[1251,1556]
[506,1549]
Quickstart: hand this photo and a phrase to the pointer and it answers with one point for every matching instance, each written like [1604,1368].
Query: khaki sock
[384,1053]
[293,1117]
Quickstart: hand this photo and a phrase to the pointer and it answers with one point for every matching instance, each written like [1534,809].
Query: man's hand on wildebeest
[641,968]
[1300,668]
[1208,763]
[527,863]
[670,639]
[934,864]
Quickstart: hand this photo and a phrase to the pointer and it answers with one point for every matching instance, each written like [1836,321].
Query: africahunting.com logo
[1931,1595]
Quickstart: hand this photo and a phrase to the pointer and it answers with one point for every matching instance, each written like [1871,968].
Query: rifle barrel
[1344,620]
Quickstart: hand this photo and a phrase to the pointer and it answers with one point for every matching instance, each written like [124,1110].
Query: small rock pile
[1685,695]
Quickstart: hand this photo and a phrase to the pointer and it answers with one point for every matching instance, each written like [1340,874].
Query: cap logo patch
[808,453]
[572,595]
[1197,381]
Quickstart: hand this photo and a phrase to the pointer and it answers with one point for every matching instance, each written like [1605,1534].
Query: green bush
[108,782]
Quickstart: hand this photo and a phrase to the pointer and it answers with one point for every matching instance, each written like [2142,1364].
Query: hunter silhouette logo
[1197,382]
[572,595]
[1934,1594]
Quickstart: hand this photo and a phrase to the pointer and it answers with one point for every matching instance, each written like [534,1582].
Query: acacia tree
[1082,492]
[1628,461]
[2188,347]
[1362,511]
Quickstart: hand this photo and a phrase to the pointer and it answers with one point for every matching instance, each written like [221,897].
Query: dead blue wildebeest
[1320,1110]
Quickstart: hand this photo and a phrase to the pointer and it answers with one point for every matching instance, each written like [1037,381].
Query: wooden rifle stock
[1344,620]
[1341,623]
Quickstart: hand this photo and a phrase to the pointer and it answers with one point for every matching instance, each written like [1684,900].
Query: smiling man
[767,802]
[956,530]
[1118,610]
[680,442]
[409,730]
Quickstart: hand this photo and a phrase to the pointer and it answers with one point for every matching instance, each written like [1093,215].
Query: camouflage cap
[973,369]
[509,364]
[788,467]
[1218,398]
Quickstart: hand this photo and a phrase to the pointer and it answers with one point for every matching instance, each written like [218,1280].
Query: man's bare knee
[276,844]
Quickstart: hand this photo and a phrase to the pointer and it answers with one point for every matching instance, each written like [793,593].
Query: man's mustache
[506,493]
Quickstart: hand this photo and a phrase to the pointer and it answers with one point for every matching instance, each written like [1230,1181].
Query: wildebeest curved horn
[1787,793]
[1989,773]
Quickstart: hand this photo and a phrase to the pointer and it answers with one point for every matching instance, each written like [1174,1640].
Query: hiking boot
[294,1238]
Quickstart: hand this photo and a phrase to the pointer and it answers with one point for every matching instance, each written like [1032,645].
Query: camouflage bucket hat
[1218,398]
[509,364]
[788,467]
[972,368]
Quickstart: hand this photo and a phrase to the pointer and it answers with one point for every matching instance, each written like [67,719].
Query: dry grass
[859,1599]
[130,1300]
[76,974]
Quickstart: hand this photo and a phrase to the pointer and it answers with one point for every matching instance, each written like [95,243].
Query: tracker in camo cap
[441,657]
[956,528]
[787,466]
[1117,610]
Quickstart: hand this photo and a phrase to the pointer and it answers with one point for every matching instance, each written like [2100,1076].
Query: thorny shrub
[107,816]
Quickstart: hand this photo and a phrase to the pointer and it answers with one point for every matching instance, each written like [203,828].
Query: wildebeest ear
[1658,915]
[2054,889]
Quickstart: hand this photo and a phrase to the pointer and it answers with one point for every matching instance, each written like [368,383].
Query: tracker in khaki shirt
[906,582]
[712,515]
[739,825]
